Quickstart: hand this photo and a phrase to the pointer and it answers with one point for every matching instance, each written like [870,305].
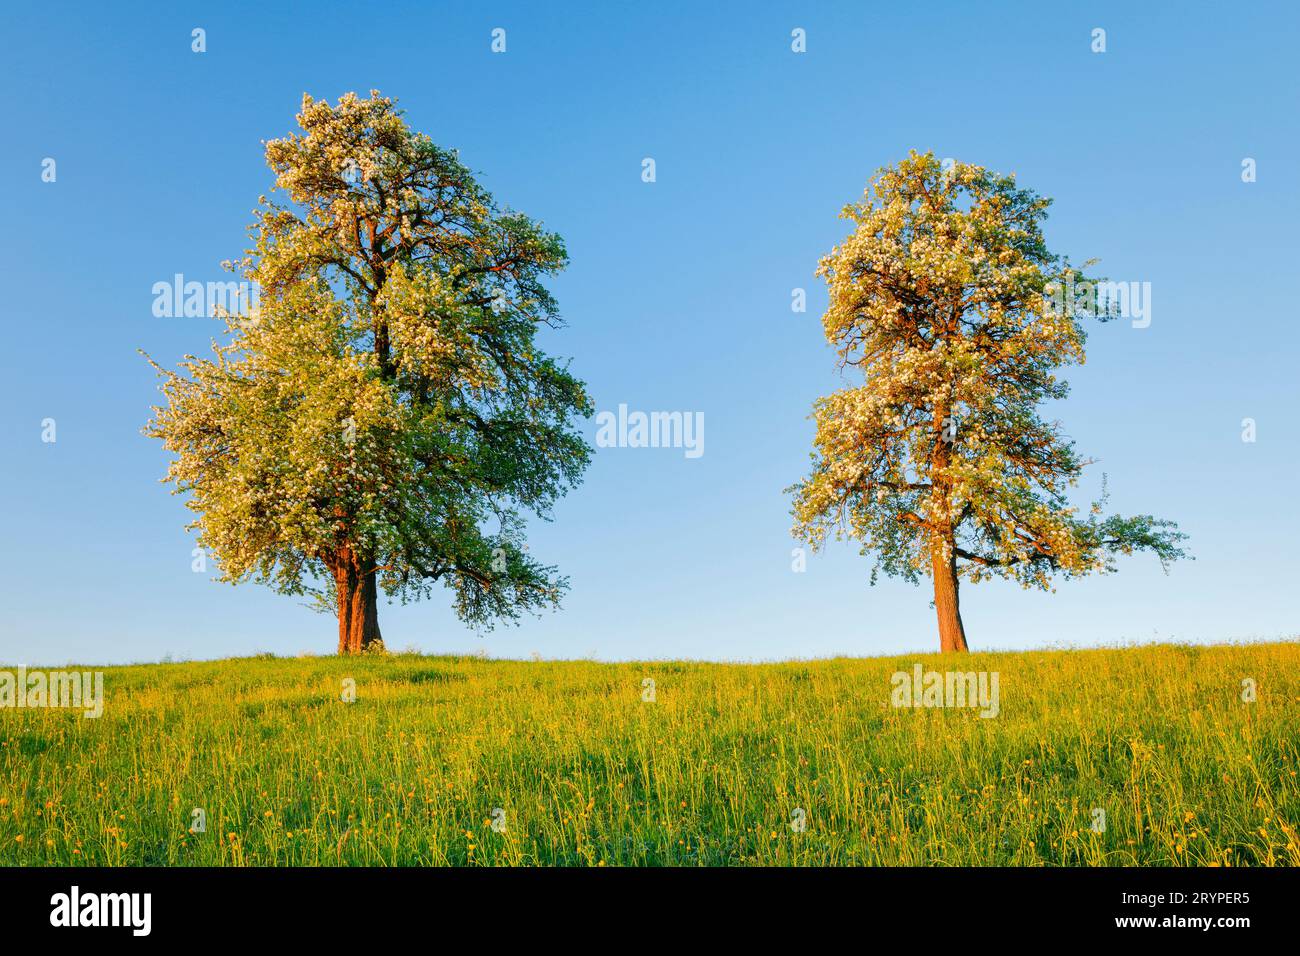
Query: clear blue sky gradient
[678,296]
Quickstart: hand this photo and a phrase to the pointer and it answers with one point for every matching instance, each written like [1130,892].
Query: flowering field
[1160,755]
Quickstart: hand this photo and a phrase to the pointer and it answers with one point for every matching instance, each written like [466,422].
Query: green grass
[709,773]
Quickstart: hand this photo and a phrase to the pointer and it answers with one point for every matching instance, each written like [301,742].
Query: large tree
[947,301]
[385,418]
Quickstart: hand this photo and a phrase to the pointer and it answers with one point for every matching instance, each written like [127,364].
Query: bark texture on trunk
[952,636]
[943,554]
[355,582]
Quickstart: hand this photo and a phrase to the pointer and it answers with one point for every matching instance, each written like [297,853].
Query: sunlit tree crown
[388,406]
[944,304]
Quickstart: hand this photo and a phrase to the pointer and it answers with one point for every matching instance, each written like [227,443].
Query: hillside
[721,767]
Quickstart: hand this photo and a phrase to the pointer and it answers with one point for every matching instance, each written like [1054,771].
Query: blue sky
[678,296]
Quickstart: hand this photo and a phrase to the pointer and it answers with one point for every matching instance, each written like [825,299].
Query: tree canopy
[386,419]
[941,461]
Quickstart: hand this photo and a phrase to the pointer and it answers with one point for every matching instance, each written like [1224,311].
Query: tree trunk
[952,636]
[943,554]
[354,581]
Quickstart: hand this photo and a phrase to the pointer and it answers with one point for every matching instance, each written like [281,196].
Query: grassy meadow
[715,770]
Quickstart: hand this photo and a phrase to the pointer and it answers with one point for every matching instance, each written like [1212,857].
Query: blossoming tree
[385,418]
[947,300]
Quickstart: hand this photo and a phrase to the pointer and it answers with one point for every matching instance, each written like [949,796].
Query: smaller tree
[947,300]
